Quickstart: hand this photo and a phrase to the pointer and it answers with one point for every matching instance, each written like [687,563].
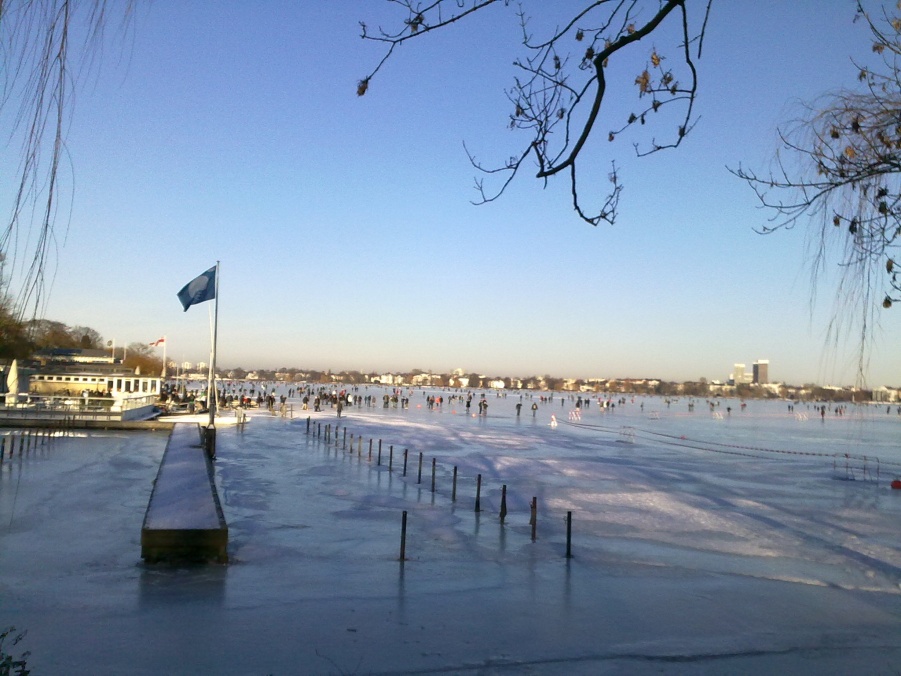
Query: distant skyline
[344,226]
[202,366]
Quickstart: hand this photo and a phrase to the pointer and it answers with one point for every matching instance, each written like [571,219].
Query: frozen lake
[703,541]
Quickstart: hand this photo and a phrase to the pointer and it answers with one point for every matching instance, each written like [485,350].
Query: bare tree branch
[36,56]
[839,169]
[557,98]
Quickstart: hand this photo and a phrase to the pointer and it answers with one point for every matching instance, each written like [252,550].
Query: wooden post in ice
[370,449]
[533,519]
[308,424]
[454,489]
[479,493]
[378,461]
[503,502]
[433,475]
[419,478]
[403,537]
[344,440]
[569,535]
[390,457]
[405,461]
[360,446]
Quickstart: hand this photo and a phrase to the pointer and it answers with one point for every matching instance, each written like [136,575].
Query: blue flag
[199,290]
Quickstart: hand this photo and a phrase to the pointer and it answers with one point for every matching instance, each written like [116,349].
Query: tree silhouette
[839,169]
[560,84]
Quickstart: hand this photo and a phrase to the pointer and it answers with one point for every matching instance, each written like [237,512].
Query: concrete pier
[184,519]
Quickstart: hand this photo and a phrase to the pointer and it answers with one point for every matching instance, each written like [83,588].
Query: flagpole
[211,403]
[164,358]
[198,290]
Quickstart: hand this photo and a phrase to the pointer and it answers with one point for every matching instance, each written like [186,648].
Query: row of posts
[24,442]
[533,506]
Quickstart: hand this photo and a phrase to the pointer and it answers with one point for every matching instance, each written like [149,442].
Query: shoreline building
[759,375]
[738,375]
[760,371]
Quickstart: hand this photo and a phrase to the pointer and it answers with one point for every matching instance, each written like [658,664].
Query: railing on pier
[123,406]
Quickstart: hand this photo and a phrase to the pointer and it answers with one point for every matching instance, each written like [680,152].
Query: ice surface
[746,543]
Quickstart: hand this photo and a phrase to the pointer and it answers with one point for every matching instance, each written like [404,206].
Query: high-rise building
[738,374]
[761,371]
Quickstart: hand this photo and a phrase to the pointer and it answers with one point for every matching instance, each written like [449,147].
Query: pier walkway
[184,519]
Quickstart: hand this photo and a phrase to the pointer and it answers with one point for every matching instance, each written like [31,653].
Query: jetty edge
[184,520]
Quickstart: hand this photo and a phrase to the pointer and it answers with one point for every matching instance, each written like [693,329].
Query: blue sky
[232,131]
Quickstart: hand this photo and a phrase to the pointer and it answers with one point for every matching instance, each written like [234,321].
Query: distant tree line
[21,339]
